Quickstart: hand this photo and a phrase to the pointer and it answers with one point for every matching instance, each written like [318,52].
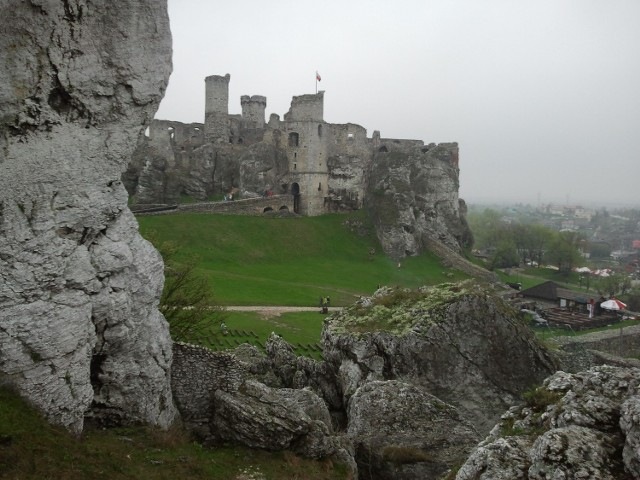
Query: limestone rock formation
[402,432]
[262,168]
[582,425]
[275,419]
[413,193]
[80,333]
[459,342]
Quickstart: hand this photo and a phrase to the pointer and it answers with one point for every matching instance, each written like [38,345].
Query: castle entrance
[295,191]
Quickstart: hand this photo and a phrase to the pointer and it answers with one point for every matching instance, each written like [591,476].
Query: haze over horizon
[542,97]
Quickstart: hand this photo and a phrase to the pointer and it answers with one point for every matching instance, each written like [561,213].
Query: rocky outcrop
[80,332]
[582,425]
[458,342]
[413,193]
[259,416]
[236,397]
[402,432]
[263,167]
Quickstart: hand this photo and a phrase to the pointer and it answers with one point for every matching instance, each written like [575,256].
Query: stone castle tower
[216,108]
[253,109]
[306,148]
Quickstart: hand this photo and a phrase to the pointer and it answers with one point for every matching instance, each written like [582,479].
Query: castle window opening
[295,165]
[241,140]
[172,132]
[320,186]
[350,136]
[147,131]
[383,148]
[267,209]
[295,154]
[293,139]
[319,130]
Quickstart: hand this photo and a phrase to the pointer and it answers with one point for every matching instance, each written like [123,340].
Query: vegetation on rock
[400,310]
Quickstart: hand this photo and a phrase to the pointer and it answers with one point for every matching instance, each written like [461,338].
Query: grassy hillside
[32,449]
[302,330]
[290,261]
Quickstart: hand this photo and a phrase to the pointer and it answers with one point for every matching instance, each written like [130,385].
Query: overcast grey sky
[543,96]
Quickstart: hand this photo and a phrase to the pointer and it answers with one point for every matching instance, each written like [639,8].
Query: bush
[187,301]
[539,398]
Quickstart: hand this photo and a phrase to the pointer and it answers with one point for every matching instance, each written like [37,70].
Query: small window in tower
[172,132]
[319,130]
[293,139]
[295,154]
[350,136]
[295,165]
[319,186]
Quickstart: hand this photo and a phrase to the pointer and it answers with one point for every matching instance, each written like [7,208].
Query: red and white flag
[318,76]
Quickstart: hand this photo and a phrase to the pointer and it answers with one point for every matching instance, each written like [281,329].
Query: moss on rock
[400,311]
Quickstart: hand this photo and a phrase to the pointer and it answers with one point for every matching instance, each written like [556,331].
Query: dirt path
[275,311]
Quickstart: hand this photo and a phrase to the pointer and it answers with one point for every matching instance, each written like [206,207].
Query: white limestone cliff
[80,332]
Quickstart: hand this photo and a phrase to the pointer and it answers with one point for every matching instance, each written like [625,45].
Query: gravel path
[275,311]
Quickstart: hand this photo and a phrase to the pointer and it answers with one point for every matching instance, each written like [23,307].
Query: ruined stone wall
[309,108]
[350,156]
[623,342]
[245,206]
[197,373]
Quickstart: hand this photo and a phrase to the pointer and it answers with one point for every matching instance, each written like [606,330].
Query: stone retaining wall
[585,351]
[197,373]
[246,206]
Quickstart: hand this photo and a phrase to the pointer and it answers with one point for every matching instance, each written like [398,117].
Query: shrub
[539,398]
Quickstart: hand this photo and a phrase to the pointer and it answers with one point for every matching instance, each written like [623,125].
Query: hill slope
[290,261]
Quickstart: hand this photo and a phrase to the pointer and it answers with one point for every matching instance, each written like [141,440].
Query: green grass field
[300,329]
[289,261]
[30,449]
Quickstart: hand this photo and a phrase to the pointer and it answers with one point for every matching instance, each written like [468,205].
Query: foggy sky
[542,96]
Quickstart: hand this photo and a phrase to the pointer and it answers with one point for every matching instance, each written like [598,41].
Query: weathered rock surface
[413,194]
[581,425]
[262,167]
[458,342]
[80,332]
[402,432]
[275,419]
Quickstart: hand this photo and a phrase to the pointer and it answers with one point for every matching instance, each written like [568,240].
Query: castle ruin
[325,167]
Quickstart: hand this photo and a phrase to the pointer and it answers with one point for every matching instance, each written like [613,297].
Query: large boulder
[581,425]
[458,342]
[80,332]
[259,416]
[402,432]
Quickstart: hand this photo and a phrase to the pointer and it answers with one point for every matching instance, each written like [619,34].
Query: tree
[187,300]
[505,255]
[563,251]
[612,285]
